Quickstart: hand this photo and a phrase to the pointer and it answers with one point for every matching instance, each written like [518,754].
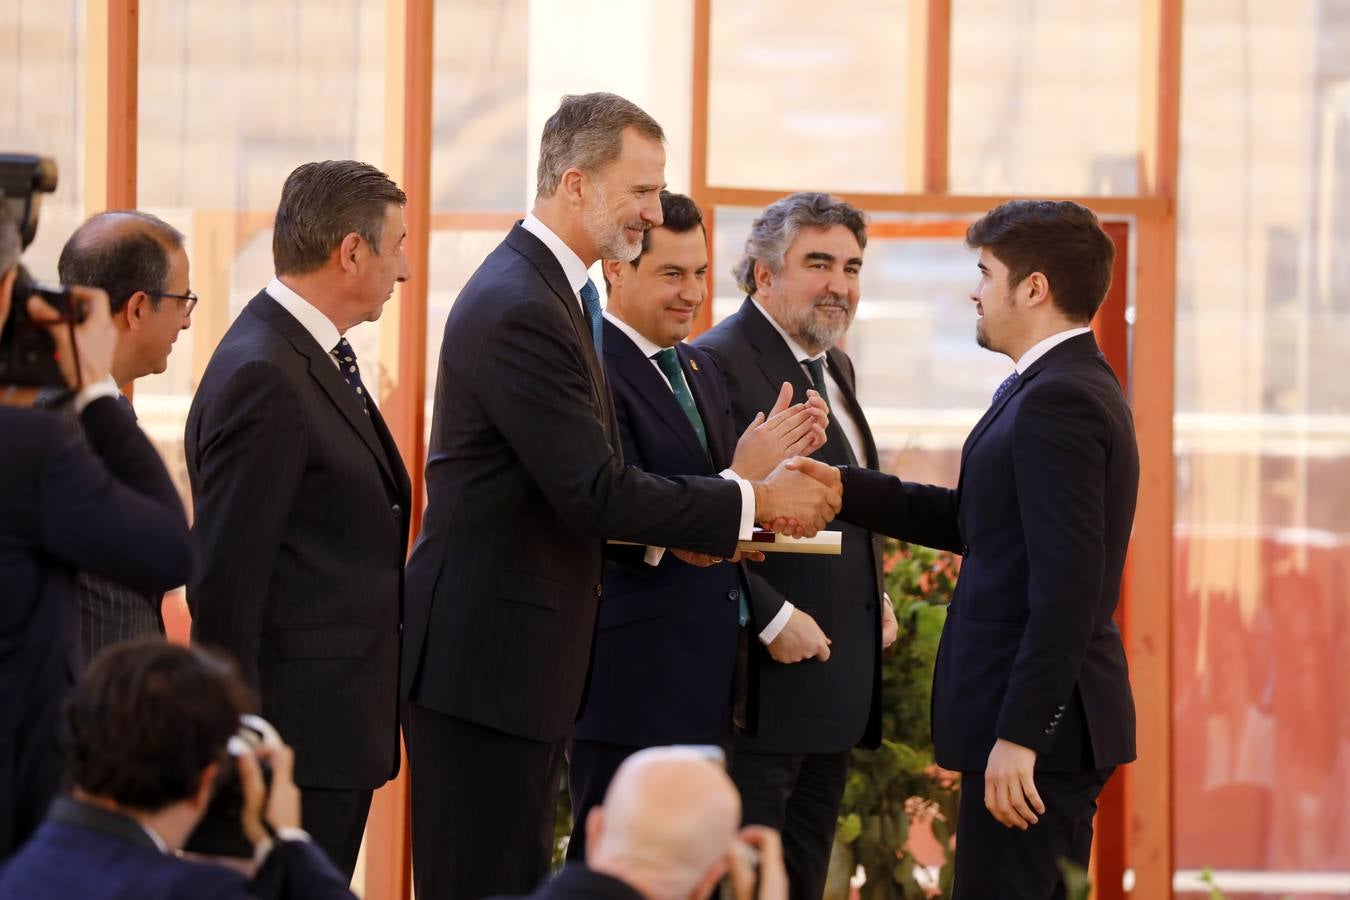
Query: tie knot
[817,369]
[1005,386]
[668,361]
[589,293]
[343,352]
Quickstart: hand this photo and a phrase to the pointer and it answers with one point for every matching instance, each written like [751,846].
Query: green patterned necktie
[669,362]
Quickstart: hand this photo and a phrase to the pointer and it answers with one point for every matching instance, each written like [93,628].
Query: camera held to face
[220,831]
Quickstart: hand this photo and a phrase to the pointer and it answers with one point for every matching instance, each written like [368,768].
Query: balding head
[669,819]
[122,252]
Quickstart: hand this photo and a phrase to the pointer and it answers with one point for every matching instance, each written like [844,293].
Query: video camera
[27,349]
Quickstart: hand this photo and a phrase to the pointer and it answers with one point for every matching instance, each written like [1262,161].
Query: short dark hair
[322,203]
[586,133]
[121,251]
[146,720]
[776,228]
[680,215]
[1058,238]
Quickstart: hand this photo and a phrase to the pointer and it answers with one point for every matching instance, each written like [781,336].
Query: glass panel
[803,92]
[922,380]
[42,111]
[1262,628]
[1044,97]
[232,98]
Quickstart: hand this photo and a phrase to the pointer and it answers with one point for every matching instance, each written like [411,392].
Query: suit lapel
[629,363]
[551,271]
[841,376]
[773,357]
[326,374]
[700,388]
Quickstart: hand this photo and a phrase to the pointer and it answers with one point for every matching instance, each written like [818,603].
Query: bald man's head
[669,819]
[122,252]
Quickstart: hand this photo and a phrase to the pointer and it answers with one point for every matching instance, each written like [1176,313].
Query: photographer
[147,730]
[101,502]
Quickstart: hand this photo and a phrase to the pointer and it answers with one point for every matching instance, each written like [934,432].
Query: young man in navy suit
[1031,694]
[672,629]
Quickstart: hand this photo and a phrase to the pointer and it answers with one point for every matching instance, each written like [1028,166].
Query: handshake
[799,497]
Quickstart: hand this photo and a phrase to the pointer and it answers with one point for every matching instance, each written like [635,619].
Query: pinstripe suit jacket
[302,507]
[525,480]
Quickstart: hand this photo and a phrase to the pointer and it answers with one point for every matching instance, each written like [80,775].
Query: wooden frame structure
[1135,826]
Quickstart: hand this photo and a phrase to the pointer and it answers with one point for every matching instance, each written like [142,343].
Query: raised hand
[787,430]
[799,497]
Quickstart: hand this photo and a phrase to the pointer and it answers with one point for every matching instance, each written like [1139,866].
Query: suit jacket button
[396,510]
[597,591]
[1050,730]
[965,549]
[733,594]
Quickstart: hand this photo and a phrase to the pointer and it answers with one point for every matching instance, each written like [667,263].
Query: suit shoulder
[722,337]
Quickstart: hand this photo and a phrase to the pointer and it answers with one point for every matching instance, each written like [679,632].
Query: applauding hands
[785,431]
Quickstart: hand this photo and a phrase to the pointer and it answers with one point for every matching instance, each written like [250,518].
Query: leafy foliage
[898,786]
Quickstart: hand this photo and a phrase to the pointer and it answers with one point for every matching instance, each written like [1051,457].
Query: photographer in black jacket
[101,502]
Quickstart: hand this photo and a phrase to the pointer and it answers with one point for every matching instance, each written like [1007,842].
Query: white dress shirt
[1045,346]
[320,327]
[575,272]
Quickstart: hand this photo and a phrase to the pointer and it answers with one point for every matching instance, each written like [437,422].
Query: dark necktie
[1004,387]
[817,369]
[345,357]
[669,363]
[590,299]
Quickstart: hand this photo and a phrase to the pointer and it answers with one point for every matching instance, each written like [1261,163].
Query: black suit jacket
[101,503]
[302,506]
[1042,514]
[525,481]
[665,651]
[88,852]
[576,882]
[809,707]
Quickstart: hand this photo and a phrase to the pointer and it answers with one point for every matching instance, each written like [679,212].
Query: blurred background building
[1213,135]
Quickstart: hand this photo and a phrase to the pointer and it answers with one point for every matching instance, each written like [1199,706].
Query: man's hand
[786,431]
[95,337]
[799,497]
[801,638]
[773,882]
[703,560]
[1010,787]
[283,800]
[890,629]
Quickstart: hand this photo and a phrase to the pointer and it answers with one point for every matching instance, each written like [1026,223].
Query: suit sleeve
[918,513]
[298,870]
[251,455]
[631,558]
[534,388]
[114,512]
[1060,445]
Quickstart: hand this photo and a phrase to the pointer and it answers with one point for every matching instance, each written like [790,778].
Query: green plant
[898,786]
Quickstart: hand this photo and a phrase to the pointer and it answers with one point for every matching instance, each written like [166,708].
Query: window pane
[808,93]
[42,111]
[1262,628]
[1044,97]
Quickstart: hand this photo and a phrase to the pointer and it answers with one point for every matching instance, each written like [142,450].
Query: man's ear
[763,276]
[595,823]
[134,313]
[202,795]
[710,880]
[614,270]
[573,186]
[1037,289]
[348,251]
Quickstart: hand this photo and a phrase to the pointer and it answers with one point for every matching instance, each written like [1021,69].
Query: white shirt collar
[797,352]
[573,268]
[316,323]
[1045,346]
[646,347]
[154,835]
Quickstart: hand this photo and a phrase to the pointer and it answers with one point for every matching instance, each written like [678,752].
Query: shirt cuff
[776,624]
[91,392]
[747,529]
[267,844]
[654,555]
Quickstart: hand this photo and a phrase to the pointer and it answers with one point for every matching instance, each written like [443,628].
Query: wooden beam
[698,119]
[111,31]
[928,90]
[1149,571]
[941,204]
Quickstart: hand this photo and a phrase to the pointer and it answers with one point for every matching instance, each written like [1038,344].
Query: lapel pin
[693,364]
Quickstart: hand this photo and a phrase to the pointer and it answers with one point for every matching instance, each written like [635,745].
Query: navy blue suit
[665,651]
[94,854]
[113,512]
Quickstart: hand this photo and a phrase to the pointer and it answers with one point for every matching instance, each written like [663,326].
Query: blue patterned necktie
[345,357]
[1006,386]
[590,299]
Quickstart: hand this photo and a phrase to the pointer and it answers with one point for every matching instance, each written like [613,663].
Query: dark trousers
[798,794]
[590,768]
[995,862]
[336,820]
[482,807]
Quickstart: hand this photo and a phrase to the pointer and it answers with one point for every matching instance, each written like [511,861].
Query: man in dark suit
[140,261]
[302,500]
[1031,695]
[147,731]
[668,831]
[525,481]
[670,633]
[98,501]
[826,618]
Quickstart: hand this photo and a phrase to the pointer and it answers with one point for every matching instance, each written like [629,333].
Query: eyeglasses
[189,300]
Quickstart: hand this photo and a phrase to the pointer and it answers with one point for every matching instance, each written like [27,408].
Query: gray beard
[608,236]
[816,336]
